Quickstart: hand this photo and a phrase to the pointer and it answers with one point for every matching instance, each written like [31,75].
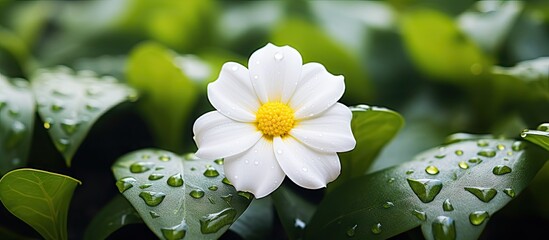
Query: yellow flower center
[274,119]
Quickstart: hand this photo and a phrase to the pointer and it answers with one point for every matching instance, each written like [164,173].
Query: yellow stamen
[274,119]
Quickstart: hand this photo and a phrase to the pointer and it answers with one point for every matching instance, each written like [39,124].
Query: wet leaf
[450,191]
[69,103]
[179,196]
[16,123]
[39,198]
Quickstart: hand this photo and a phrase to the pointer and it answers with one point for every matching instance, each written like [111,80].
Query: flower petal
[316,91]
[306,167]
[232,93]
[255,170]
[328,132]
[275,72]
[218,136]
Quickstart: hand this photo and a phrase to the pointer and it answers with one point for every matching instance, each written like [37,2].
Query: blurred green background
[446,66]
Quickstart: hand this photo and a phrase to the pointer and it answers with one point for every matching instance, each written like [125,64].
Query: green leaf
[488,23]
[256,222]
[373,128]
[16,123]
[526,80]
[440,49]
[294,211]
[539,137]
[315,45]
[168,94]
[451,191]
[113,216]
[39,198]
[70,103]
[179,196]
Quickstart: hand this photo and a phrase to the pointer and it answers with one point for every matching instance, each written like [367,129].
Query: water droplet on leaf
[425,189]
[510,192]
[175,180]
[219,161]
[501,170]
[447,205]
[164,158]
[387,205]
[419,215]
[351,231]
[211,172]
[197,193]
[215,221]
[154,214]
[432,170]
[376,228]
[125,183]
[141,167]
[70,126]
[484,194]
[176,232]
[246,195]
[478,217]
[155,176]
[518,145]
[463,165]
[444,228]
[152,198]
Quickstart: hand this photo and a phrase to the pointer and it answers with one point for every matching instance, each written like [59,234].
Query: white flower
[278,118]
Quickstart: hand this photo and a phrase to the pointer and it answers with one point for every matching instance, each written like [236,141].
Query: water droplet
[226,181]
[227,198]
[444,228]
[388,205]
[484,194]
[164,158]
[193,168]
[501,169]
[152,198]
[509,153]
[213,188]
[48,123]
[219,161]
[440,155]
[125,183]
[145,186]
[487,152]
[518,145]
[92,106]
[246,195]
[175,180]
[419,215]
[278,56]
[376,228]
[15,135]
[351,231]
[141,167]
[197,193]
[70,126]
[279,151]
[425,189]
[543,127]
[459,152]
[391,180]
[447,205]
[478,217]
[500,147]
[155,176]
[431,170]
[299,224]
[482,143]
[176,232]
[408,172]
[62,144]
[154,214]
[463,165]
[510,192]
[145,156]
[211,172]
[212,223]
[475,160]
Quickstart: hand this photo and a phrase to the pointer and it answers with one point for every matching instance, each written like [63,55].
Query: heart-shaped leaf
[179,196]
[373,128]
[116,214]
[69,104]
[16,123]
[450,191]
[39,198]
[168,94]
